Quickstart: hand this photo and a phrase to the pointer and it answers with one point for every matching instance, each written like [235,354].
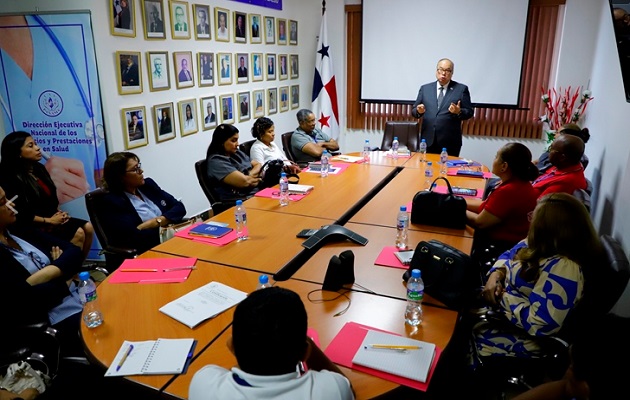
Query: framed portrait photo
[284,98]
[163,122]
[227,108]
[295,66]
[209,112]
[258,103]
[183,66]
[201,14]
[180,20]
[221,25]
[282,30]
[272,101]
[153,19]
[133,124]
[205,69]
[122,17]
[224,68]
[271,67]
[295,96]
[129,72]
[187,110]
[270,30]
[158,71]
[257,67]
[255,29]
[293,32]
[240,27]
[241,61]
[283,67]
[244,106]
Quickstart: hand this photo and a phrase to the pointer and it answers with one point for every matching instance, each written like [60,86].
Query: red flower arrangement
[563,107]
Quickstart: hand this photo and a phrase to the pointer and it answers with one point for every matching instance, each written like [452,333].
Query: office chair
[114,255]
[608,283]
[286,145]
[245,147]
[407,132]
[217,206]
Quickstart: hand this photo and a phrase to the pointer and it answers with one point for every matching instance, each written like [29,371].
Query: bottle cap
[443,148]
[415,273]
[395,137]
[403,208]
[84,275]
[263,279]
[283,174]
[429,163]
[239,202]
[424,140]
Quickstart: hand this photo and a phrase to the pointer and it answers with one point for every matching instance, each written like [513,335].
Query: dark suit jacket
[203,28]
[183,77]
[130,75]
[440,128]
[25,303]
[120,218]
[242,72]
[156,26]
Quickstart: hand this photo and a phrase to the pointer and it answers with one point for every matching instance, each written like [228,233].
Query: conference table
[364,198]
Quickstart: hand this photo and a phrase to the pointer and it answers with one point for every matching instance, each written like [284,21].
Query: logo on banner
[50,103]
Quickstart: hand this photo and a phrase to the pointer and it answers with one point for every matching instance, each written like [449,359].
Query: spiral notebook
[152,357]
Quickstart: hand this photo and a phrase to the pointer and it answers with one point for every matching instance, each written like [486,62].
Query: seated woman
[543,162]
[264,149]
[22,174]
[231,172]
[501,220]
[539,282]
[36,269]
[137,207]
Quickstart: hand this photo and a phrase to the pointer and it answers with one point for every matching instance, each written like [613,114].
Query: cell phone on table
[464,191]
[306,233]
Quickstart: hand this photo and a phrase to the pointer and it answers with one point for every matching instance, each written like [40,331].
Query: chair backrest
[407,132]
[216,204]
[245,147]
[286,145]
[616,273]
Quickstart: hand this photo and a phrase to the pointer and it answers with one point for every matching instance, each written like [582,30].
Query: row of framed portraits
[184,20]
[237,67]
[228,109]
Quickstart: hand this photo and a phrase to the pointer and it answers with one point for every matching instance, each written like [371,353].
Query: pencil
[139,270]
[394,347]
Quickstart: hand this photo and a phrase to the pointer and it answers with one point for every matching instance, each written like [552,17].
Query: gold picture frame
[153,19]
[224,68]
[294,63]
[272,101]
[282,30]
[295,96]
[241,61]
[240,27]
[180,19]
[270,66]
[255,28]
[283,97]
[163,122]
[258,103]
[122,18]
[183,67]
[244,106]
[293,32]
[270,30]
[283,67]
[187,121]
[257,67]
[129,72]
[134,127]
[201,15]
[158,70]
[209,114]
[205,69]
[227,108]
[221,24]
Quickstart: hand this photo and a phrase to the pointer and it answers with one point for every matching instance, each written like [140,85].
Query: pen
[139,270]
[394,347]
[124,358]
[178,268]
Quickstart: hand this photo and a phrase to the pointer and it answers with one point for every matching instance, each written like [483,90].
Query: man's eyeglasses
[137,169]
[445,71]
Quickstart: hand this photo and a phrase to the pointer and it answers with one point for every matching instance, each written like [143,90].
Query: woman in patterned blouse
[538,283]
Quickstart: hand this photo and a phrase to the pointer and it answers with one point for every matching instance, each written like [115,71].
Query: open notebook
[413,364]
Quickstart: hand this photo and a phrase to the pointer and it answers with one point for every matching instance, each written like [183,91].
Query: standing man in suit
[442,124]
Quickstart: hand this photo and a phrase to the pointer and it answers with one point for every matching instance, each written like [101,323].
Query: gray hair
[303,114]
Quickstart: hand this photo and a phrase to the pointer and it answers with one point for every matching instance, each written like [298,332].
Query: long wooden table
[367,195]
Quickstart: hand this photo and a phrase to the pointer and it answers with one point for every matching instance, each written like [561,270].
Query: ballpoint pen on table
[179,268]
[394,347]
[139,270]
[124,358]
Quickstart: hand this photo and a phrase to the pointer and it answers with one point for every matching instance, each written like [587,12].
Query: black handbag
[270,174]
[439,209]
[448,273]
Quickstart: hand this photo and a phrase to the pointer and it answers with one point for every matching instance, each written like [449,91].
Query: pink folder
[269,193]
[346,344]
[387,258]
[223,240]
[158,276]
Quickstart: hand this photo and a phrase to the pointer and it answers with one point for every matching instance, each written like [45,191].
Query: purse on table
[439,209]
[270,174]
[448,273]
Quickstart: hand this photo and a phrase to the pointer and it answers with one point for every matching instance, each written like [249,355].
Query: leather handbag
[447,272]
[439,209]
[270,174]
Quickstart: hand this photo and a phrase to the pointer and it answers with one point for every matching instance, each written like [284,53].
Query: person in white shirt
[270,344]
[264,149]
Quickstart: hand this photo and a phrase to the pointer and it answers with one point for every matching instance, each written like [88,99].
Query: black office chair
[217,206]
[245,147]
[407,132]
[114,255]
[286,145]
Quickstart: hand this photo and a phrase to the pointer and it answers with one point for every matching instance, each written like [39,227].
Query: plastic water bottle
[92,315]
[428,176]
[241,221]
[263,282]
[366,151]
[415,293]
[423,150]
[402,228]
[325,161]
[395,145]
[284,189]
[443,162]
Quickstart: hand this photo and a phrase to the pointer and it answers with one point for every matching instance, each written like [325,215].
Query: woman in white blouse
[264,149]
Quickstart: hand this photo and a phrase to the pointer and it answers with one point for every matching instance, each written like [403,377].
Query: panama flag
[324,88]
